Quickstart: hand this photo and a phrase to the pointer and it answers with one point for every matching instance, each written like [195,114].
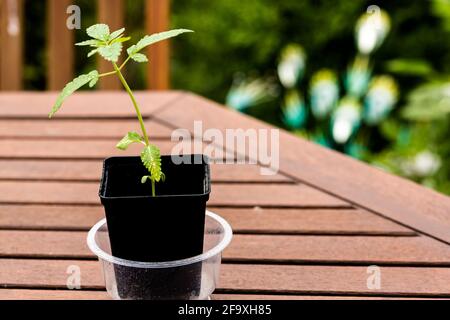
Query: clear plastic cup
[193,278]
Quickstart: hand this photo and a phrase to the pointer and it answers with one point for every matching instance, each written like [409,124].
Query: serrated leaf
[157,37]
[151,159]
[116,34]
[131,137]
[71,87]
[91,53]
[93,43]
[111,52]
[139,57]
[99,32]
[132,50]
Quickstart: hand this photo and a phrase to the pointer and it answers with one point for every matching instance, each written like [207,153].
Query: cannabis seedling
[109,46]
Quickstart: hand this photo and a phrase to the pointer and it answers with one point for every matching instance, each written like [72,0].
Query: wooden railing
[60,41]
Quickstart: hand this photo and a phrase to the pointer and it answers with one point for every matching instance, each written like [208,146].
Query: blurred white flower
[357,77]
[324,93]
[380,100]
[346,120]
[424,164]
[246,93]
[291,65]
[371,30]
[294,110]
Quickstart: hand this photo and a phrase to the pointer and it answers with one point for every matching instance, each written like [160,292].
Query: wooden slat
[368,187]
[27,294]
[82,105]
[308,221]
[63,170]
[258,220]
[112,13]
[81,149]
[60,45]
[407,281]
[283,195]
[83,128]
[11,39]
[254,248]
[157,20]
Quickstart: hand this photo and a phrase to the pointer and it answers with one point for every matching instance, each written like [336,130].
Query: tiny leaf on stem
[139,57]
[116,34]
[131,137]
[92,43]
[71,87]
[99,32]
[154,38]
[111,52]
[151,158]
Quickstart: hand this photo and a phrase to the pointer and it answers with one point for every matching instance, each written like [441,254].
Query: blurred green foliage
[234,36]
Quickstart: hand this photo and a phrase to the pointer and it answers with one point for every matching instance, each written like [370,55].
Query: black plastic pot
[167,227]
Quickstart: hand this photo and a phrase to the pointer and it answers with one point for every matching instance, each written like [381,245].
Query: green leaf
[139,57]
[116,34]
[71,87]
[93,43]
[93,82]
[99,32]
[144,179]
[131,137]
[91,53]
[124,39]
[111,52]
[154,38]
[151,158]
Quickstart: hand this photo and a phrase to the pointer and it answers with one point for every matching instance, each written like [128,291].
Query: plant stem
[107,74]
[114,72]
[153,188]
[133,99]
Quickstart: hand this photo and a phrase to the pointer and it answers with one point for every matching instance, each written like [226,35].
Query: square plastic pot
[167,227]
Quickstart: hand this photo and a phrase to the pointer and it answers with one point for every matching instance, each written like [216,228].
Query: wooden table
[310,231]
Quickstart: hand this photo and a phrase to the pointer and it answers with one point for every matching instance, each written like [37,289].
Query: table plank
[27,294]
[84,128]
[327,170]
[106,104]
[86,193]
[246,278]
[90,170]
[243,220]
[83,149]
[254,248]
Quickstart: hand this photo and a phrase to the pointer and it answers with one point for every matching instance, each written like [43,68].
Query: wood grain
[157,20]
[254,248]
[86,193]
[32,105]
[11,53]
[83,149]
[65,170]
[256,220]
[239,278]
[85,128]
[27,294]
[60,63]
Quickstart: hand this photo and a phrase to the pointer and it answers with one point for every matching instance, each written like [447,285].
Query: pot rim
[228,235]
